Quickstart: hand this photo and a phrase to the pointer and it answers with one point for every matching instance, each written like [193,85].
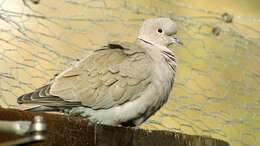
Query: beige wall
[217,84]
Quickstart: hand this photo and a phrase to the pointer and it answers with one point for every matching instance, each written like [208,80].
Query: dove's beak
[176,40]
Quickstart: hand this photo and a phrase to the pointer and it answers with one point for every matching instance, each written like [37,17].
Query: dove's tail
[43,101]
[40,96]
[39,102]
[41,108]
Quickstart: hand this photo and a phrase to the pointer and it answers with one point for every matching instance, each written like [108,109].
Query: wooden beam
[69,131]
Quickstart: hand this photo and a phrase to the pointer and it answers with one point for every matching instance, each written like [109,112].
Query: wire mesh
[216,92]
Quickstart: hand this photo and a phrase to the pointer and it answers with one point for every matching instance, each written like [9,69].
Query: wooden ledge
[72,131]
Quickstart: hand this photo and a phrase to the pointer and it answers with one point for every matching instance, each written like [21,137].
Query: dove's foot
[80,111]
[93,116]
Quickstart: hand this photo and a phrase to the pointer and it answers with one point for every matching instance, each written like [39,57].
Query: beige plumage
[118,84]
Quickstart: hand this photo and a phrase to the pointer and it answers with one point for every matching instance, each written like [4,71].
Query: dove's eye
[160,30]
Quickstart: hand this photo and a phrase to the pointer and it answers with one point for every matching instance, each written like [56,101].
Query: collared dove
[118,84]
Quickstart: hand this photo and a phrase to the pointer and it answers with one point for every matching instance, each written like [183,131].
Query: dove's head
[159,31]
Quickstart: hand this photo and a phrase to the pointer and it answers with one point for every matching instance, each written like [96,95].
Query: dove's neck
[164,60]
[157,47]
[158,51]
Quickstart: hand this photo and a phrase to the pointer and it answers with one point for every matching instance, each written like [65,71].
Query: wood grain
[73,131]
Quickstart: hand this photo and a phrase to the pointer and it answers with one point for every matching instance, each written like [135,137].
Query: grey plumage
[118,84]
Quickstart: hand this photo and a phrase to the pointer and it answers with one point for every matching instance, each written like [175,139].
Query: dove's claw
[81,111]
[93,116]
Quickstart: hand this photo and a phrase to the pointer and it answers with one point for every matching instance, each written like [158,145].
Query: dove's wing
[111,76]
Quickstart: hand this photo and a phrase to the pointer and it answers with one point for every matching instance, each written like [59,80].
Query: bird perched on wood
[118,84]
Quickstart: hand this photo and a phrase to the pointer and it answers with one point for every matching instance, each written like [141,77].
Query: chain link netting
[216,92]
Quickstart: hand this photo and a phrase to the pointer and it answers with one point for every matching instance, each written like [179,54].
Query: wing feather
[110,76]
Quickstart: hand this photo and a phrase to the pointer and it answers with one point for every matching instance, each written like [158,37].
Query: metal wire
[216,92]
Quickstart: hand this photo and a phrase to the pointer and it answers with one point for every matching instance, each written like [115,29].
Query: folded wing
[109,77]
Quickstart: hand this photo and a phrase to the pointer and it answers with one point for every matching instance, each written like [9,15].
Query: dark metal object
[33,132]
[15,127]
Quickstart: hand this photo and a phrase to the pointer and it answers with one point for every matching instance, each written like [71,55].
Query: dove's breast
[163,78]
[156,93]
[160,88]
